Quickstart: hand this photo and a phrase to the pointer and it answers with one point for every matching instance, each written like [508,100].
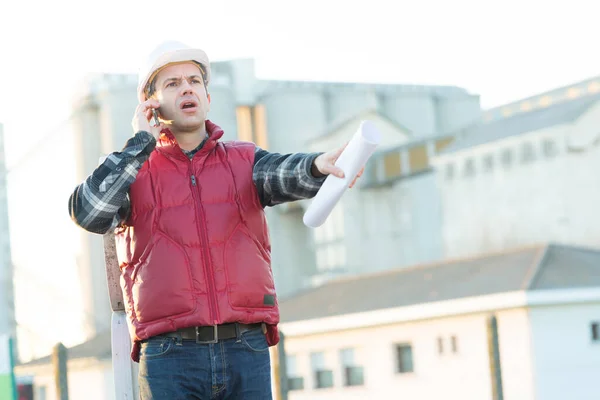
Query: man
[192,239]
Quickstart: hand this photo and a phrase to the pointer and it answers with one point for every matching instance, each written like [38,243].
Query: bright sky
[501,50]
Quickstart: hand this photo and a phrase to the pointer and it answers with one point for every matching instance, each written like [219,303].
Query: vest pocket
[248,271]
[162,281]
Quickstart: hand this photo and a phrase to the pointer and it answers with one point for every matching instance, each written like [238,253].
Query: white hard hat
[167,53]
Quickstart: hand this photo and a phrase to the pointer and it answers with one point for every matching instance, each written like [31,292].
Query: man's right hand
[142,117]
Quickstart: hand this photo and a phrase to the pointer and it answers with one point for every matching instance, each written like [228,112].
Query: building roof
[535,268]
[543,267]
[347,119]
[557,114]
[265,86]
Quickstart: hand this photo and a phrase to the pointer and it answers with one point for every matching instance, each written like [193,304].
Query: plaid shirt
[101,202]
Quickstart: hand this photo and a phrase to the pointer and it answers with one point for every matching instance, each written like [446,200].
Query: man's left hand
[325,165]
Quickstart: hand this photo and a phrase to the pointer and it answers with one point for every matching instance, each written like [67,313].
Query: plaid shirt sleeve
[101,202]
[281,178]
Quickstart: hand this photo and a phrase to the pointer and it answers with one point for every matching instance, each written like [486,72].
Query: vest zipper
[205,256]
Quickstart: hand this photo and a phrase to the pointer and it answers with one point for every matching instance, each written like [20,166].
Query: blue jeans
[174,369]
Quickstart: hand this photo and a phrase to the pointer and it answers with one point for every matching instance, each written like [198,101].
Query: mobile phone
[155,121]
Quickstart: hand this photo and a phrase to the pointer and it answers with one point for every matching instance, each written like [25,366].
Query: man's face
[182,96]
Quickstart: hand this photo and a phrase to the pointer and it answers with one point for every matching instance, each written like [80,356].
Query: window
[418,159]
[449,171]
[595,331]
[442,143]
[506,157]
[440,345]
[526,106]
[323,377]
[295,382]
[454,344]
[545,101]
[469,167]
[329,241]
[252,125]
[392,166]
[244,123]
[549,148]
[527,153]
[488,162]
[404,358]
[353,373]
[573,92]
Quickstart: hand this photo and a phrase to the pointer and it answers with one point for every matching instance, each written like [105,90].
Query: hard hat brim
[175,56]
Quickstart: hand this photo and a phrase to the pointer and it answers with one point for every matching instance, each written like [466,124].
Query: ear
[208,97]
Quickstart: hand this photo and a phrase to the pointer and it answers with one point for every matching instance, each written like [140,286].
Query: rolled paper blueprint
[353,158]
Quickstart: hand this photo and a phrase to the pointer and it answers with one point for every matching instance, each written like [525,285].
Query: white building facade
[524,178]
[537,340]
[447,355]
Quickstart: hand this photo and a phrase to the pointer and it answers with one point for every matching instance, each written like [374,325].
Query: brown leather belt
[212,334]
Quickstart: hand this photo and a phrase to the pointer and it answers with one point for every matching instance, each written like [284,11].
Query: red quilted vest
[195,250]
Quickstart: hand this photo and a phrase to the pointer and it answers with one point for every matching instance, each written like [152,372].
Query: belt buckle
[215,338]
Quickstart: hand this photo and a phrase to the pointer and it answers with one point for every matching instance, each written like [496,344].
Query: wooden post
[124,370]
[282,368]
[113,273]
[59,361]
[275,368]
[494,358]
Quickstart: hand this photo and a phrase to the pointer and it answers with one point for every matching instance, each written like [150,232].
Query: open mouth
[188,105]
